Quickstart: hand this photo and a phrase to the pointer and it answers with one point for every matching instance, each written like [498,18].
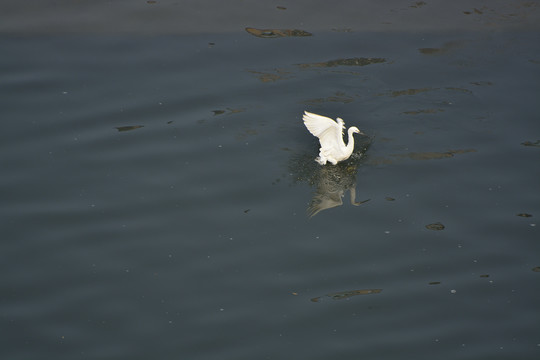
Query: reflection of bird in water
[330,134]
[332,183]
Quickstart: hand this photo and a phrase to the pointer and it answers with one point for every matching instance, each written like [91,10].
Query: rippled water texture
[160,198]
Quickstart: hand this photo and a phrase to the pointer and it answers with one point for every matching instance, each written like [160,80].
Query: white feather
[330,134]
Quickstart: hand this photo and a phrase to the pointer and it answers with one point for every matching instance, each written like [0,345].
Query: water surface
[156,193]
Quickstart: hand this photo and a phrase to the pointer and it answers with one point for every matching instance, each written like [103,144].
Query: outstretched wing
[329,132]
[318,124]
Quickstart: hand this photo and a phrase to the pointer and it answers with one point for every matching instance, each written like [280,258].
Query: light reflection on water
[155,194]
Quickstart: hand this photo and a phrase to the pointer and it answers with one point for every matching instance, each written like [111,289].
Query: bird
[330,134]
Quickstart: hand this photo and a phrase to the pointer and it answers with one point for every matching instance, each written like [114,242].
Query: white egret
[330,134]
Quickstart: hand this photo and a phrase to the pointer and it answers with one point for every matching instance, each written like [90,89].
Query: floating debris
[227,110]
[347,294]
[435,226]
[434,283]
[388,198]
[269,77]
[524,215]
[467,91]
[482,83]
[475,10]
[530,143]
[281,7]
[276,33]
[357,61]
[418,4]
[128,128]
[461,151]
[484,275]
[536,269]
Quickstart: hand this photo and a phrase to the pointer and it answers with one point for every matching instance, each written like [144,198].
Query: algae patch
[277,33]
[356,61]
[347,294]
[128,128]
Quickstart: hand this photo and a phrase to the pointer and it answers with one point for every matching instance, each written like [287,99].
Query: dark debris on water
[530,143]
[435,226]
[347,294]
[357,61]
[277,33]
[128,128]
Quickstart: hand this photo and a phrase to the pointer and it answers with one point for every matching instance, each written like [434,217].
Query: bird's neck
[350,141]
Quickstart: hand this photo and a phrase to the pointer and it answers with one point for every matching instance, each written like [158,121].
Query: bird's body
[330,134]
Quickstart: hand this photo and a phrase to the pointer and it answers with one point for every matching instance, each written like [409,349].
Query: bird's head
[355,130]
